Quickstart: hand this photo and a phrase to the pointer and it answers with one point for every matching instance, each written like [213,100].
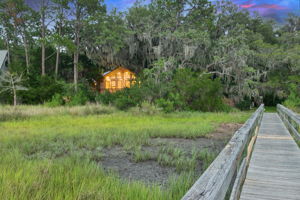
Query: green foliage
[165,104]
[105,98]
[41,89]
[244,104]
[146,108]
[122,99]
[57,100]
[79,98]
[124,102]
[197,92]
[293,100]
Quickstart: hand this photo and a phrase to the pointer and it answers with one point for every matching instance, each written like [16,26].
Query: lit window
[128,84]
[119,75]
[107,84]
[126,75]
[113,84]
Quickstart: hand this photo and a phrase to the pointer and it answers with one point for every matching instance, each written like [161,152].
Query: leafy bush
[56,100]
[105,98]
[165,104]
[293,100]
[124,102]
[80,98]
[197,92]
[41,89]
[122,99]
[244,104]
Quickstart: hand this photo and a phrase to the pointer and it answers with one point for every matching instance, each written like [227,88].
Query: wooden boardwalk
[274,170]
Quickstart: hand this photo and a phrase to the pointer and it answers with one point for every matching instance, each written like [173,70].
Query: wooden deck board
[274,170]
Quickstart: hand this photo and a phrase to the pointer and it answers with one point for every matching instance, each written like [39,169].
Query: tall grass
[23,112]
[55,153]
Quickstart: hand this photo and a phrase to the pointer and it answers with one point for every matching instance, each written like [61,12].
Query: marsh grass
[24,112]
[54,153]
[182,161]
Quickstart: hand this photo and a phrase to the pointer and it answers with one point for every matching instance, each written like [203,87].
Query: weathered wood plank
[236,189]
[274,170]
[291,120]
[215,181]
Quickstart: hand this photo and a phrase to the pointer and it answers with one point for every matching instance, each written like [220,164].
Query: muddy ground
[121,162]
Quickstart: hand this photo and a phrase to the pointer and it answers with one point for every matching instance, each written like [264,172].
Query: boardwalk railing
[226,172]
[291,120]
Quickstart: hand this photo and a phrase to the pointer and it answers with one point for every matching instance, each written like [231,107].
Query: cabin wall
[117,80]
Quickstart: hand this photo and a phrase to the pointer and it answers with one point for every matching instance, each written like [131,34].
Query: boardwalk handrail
[291,120]
[219,176]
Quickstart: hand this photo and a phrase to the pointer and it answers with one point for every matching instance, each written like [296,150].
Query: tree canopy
[74,41]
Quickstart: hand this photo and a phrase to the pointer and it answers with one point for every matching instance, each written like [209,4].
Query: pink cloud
[266,6]
[247,5]
[270,6]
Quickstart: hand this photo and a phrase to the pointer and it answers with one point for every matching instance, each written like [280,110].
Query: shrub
[244,104]
[166,105]
[197,92]
[293,100]
[79,98]
[41,89]
[124,102]
[56,100]
[105,98]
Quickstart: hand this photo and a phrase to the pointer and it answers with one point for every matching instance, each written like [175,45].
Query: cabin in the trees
[3,59]
[117,79]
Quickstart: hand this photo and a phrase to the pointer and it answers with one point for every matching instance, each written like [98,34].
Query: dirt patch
[150,171]
[225,131]
[118,160]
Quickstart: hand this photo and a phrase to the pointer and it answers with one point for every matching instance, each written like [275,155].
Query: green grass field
[53,153]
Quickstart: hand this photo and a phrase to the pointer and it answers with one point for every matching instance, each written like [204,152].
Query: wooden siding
[117,79]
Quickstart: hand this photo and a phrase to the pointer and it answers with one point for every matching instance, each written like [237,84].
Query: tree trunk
[8,51]
[57,62]
[76,70]
[58,48]
[15,97]
[77,44]
[43,36]
[14,90]
[26,55]
[43,59]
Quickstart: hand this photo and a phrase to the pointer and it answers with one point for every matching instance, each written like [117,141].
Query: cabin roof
[105,73]
[3,57]
[108,72]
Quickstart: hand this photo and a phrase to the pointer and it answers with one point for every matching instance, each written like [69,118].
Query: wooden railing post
[291,120]
[216,180]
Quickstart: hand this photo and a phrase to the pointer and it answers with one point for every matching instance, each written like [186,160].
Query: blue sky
[275,9]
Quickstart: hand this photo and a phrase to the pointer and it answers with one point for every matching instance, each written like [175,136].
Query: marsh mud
[121,162]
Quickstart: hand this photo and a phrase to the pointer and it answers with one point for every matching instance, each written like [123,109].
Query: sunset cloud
[275,9]
[247,5]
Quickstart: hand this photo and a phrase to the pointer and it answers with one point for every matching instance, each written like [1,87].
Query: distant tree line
[62,46]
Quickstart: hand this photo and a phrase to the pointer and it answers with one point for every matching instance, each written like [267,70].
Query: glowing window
[107,84]
[128,84]
[113,84]
[127,75]
[119,75]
